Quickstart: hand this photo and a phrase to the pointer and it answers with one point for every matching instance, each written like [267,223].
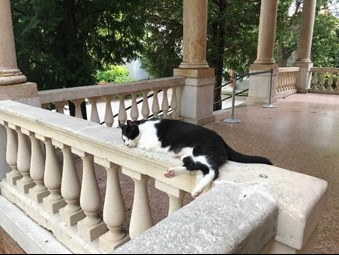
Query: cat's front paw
[169,173]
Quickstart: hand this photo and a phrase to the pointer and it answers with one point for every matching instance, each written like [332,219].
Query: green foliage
[325,46]
[117,74]
[163,43]
[61,43]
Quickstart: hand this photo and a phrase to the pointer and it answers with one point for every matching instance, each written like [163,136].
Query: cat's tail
[242,158]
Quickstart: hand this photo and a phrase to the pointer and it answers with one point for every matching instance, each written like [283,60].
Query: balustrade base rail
[32,238]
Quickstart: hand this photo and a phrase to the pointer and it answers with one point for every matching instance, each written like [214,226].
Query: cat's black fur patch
[208,149]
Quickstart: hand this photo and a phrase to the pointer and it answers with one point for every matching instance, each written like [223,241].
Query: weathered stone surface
[230,218]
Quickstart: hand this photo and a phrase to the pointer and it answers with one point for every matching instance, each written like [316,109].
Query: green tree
[62,43]
[231,39]
[325,46]
[163,43]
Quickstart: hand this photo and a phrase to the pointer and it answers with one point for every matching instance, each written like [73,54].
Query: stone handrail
[324,80]
[169,87]
[251,208]
[36,138]
[287,80]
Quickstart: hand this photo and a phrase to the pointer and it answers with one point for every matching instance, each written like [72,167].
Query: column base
[12,177]
[18,91]
[109,242]
[91,232]
[38,195]
[71,218]
[194,73]
[53,206]
[10,78]
[260,84]
[304,78]
[24,186]
[197,95]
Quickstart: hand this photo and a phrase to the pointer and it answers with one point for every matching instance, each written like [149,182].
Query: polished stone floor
[301,134]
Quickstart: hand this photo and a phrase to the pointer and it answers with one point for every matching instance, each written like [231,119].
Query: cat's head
[130,133]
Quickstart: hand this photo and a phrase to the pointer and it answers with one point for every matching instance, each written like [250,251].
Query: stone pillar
[9,72]
[13,83]
[198,93]
[259,85]
[305,44]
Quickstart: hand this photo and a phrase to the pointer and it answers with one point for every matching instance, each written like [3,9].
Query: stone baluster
[122,110]
[109,119]
[322,82]
[52,178]
[330,82]
[165,105]
[77,104]
[70,190]
[175,196]
[141,218]
[155,105]
[314,80]
[134,107]
[174,104]
[114,213]
[12,155]
[60,106]
[24,162]
[37,170]
[92,226]
[94,110]
[145,107]
[336,83]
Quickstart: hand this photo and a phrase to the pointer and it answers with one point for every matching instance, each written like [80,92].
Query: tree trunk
[219,64]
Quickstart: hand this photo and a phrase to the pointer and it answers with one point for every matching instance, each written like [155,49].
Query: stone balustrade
[324,80]
[109,92]
[251,208]
[43,181]
[287,81]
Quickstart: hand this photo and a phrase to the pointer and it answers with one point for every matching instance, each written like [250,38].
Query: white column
[195,32]
[305,44]
[260,84]
[12,83]
[198,93]
[306,31]
[9,72]
[267,28]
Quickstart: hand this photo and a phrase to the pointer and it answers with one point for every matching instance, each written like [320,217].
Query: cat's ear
[131,123]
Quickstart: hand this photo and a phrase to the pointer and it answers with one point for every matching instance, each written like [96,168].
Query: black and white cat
[199,148]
